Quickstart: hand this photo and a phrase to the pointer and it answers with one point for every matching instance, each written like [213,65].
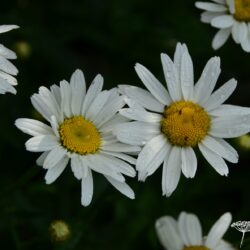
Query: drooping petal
[214,160]
[188,162]
[171,171]
[87,188]
[53,173]
[123,187]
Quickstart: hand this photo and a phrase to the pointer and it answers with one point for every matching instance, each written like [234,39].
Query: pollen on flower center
[242,10]
[195,248]
[185,123]
[79,135]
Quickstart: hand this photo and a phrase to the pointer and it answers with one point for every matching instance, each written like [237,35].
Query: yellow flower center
[79,135]
[185,123]
[195,248]
[242,10]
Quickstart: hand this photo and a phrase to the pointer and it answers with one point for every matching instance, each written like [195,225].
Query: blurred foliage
[107,37]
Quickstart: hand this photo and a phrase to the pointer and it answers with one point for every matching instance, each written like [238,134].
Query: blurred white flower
[186,233]
[80,131]
[170,124]
[7,69]
[230,17]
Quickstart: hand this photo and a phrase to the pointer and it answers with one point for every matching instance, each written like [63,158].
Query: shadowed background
[107,37]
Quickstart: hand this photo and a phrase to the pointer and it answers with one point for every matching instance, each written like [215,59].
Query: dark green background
[107,37]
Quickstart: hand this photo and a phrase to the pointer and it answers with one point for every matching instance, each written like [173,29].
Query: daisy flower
[230,17]
[170,124]
[80,131]
[186,233]
[7,69]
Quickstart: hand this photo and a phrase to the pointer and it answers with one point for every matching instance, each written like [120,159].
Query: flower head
[230,17]
[7,69]
[80,131]
[186,233]
[170,124]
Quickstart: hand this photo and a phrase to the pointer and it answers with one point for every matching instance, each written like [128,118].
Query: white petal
[87,189]
[97,105]
[239,31]
[54,156]
[78,90]
[168,233]
[207,16]
[214,160]
[46,104]
[5,86]
[33,127]
[110,109]
[149,151]
[220,95]
[187,76]
[152,84]
[78,167]
[66,98]
[217,147]
[54,125]
[171,77]
[41,143]
[180,49]
[40,160]
[111,124]
[223,21]
[210,6]
[230,126]
[137,112]
[171,171]
[6,28]
[218,230]
[220,38]
[7,53]
[206,83]
[231,5]
[7,66]
[136,133]
[223,245]
[94,89]
[10,79]
[120,147]
[122,156]
[245,43]
[97,163]
[219,1]
[228,110]
[53,173]
[188,162]
[144,98]
[122,187]
[154,162]
[190,229]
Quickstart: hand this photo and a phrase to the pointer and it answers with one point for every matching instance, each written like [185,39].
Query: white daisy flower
[186,233]
[230,17]
[7,69]
[80,131]
[169,124]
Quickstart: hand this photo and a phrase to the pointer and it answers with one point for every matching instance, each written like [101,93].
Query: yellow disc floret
[79,135]
[195,248]
[242,10]
[185,123]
